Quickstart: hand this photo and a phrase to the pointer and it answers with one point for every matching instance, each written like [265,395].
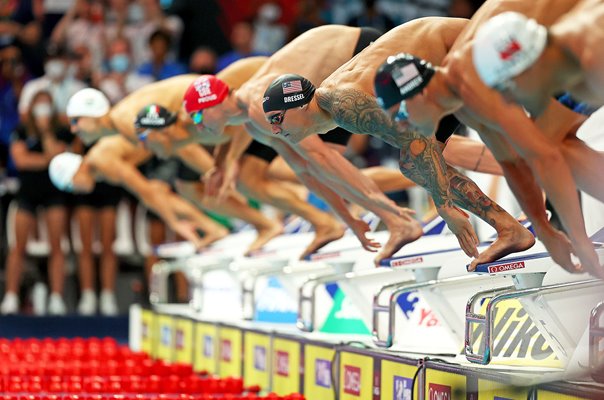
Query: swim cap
[205,91]
[88,103]
[288,91]
[507,45]
[154,116]
[401,77]
[62,169]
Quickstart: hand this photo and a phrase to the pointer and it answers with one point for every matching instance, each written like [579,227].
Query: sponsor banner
[489,390]
[493,269]
[356,377]
[183,341]
[286,360]
[396,381]
[206,348]
[547,395]
[444,385]
[147,331]
[275,305]
[229,352]
[318,372]
[517,339]
[406,261]
[256,359]
[165,342]
[344,317]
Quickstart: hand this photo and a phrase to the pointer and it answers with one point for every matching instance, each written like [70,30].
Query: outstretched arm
[329,164]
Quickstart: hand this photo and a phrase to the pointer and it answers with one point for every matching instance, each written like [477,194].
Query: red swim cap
[205,91]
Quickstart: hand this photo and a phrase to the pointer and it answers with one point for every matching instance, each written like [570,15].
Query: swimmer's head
[505,46]
[201,99]
[289,94]
[68,173]
[398,84]
[151,123]
[84,109]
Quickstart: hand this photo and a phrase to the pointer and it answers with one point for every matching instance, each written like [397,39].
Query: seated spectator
[121,77]
[35,142]
[203,61]
[242,38]
[160,67]
[55,80]
[372,17]
[13,76]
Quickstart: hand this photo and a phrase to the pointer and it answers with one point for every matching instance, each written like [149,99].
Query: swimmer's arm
[335,167]
[196,157]
[471,155]
[234,149]
[550,168]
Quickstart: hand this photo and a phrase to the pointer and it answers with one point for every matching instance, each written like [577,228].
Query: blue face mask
[119,63]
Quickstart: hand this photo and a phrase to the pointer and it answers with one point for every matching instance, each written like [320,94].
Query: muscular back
[429,38]
[315,55]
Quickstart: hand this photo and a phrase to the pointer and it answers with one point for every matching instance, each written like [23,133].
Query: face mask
[269,12]
[119,63]
[135,13]
[41,110]
[54,69]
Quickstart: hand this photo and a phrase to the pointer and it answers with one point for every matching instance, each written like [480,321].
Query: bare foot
[324,234]
[265,234]
[402,231]
[213,236]
[510,240]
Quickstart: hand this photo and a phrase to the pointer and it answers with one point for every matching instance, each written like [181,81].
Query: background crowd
[50,49]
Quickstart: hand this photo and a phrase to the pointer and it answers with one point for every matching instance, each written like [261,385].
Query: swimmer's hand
[560,248]
[458,222]
[219,182]
[584,249]
[187,230]
[360,229]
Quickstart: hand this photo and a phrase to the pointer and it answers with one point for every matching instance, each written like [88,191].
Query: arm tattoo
[422,162]
[358,112]
[468,195]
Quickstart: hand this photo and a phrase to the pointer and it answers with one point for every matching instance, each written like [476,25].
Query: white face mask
[41,110]
[269,12]
[54,69]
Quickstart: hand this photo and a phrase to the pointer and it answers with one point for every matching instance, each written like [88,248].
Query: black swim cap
[154,116]
[288,91]
[401,77]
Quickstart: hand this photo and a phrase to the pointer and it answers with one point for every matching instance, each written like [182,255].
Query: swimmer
[346,98]
[92,124]
[433,91]
[319,164]
[114,159]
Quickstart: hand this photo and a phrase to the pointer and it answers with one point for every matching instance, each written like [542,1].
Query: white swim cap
[62,169]
[88,103]
[507,45]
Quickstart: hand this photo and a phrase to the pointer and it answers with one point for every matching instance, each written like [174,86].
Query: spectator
[201,21]
[372,17]
[81,68]
[159,67]
[269,34]
[242,38]
[203,61]
[55,80]
[82,25]
[13,76]
[121,77]
[310,15]
[34,143]
[96,213]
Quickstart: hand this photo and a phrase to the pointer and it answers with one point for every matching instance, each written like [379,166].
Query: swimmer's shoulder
[241,71]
